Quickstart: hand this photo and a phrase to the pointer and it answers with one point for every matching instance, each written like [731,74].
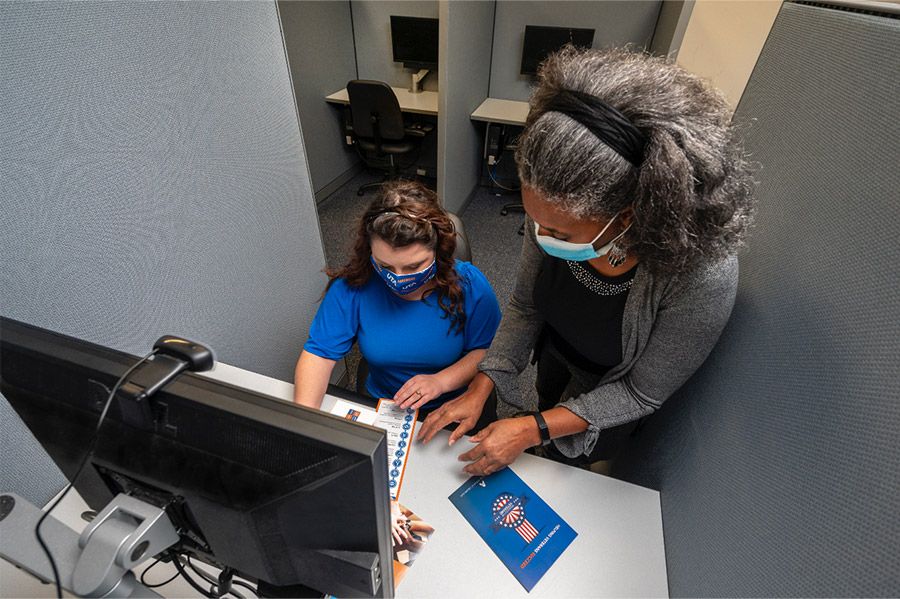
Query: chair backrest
[372,101]
[463,249]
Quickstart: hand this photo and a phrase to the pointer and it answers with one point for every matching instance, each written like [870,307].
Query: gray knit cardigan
[669,327]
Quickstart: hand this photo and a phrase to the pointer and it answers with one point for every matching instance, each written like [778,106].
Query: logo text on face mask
[405,284]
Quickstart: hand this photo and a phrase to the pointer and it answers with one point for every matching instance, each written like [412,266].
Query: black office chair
[378,126]
[463,252]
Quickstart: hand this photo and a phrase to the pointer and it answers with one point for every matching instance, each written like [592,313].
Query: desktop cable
[190,580]
[176,356]
[159,584]
[84,461]
[222,585]
[494,178]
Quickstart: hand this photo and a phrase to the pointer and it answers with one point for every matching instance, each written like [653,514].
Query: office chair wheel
[512,207]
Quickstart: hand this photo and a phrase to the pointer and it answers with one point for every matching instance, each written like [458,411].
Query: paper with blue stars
[400,425]
[521,529]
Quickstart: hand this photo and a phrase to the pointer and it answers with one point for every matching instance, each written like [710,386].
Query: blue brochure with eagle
[524,532]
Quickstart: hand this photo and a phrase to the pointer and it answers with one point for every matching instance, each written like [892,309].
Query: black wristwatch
[542,425]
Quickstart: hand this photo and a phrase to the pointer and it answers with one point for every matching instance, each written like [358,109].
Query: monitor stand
[417,78]
[96,563]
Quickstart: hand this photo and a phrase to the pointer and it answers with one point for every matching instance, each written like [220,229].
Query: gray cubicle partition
[154,181]
[465,70]
[674,16]
[318,38]
[779,461]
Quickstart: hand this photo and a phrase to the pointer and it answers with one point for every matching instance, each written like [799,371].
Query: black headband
[604,121]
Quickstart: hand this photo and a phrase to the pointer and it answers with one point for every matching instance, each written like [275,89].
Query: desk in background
[420,103]
[618,552]
[505,119]
[505,112]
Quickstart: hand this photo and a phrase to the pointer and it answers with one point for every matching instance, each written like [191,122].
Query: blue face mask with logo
[404,284]
[576,252]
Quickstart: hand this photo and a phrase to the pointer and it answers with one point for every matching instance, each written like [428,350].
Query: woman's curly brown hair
[691,195]
[403,213]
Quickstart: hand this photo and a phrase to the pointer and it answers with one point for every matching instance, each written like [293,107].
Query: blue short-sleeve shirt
[401,338]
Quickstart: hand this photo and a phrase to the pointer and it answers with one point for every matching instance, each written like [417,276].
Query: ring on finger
[419,392]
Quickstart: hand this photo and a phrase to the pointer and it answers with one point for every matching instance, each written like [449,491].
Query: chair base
[514,207]
[392,172]
[370,186]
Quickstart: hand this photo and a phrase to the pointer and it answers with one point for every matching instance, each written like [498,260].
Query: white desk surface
[420,103]
[507,112]
[619,550]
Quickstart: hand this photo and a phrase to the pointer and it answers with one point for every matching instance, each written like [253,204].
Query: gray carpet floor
[494,240]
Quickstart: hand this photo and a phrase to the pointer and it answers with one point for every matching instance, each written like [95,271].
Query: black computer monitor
[414,41]
[261,485]
[540,42]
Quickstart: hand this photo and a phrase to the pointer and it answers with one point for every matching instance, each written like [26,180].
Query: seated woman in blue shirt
[423,319]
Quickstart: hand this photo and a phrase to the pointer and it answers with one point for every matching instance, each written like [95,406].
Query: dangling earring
[616,255]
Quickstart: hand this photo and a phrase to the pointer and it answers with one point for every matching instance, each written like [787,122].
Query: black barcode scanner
[173,355]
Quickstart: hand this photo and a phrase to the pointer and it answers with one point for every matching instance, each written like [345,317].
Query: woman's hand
[465,410]
[499,444]
[422,388]
[399,532]
[418,391]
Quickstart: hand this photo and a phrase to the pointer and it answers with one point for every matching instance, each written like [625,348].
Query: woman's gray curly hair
[691,196]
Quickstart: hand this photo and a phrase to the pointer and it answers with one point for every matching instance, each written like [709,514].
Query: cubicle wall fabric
[154,178]
[25,467]
[464,77]
[318,38]
[779,461]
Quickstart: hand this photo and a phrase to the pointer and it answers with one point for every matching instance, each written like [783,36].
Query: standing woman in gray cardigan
[637,198]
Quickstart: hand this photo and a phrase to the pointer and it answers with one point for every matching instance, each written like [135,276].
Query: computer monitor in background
[540,42]
[282,494]
[414,41]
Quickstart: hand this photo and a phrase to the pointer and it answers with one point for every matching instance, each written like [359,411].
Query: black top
[583,312]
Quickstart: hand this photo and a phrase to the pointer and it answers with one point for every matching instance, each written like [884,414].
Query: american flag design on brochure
[509,512]
[519,527]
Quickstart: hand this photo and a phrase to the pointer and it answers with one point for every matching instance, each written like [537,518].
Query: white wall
[723,40]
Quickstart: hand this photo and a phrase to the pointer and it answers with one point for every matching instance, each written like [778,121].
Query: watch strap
[542,424]
[542,428]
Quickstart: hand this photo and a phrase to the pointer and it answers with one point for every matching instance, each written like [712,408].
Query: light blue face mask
[576,252]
